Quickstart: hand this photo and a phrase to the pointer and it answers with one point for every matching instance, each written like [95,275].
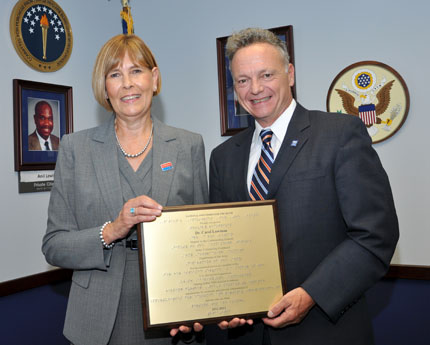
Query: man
[42,139]
[338,224]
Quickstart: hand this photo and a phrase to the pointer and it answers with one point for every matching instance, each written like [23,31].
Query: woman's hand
[137,210]
[197,327]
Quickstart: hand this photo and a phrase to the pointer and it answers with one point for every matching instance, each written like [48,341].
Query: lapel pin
[166,166]
[294,143]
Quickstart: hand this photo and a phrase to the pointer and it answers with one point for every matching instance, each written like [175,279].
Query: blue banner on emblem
[366,107]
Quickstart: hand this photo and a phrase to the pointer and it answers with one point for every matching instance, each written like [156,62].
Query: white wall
[328,36]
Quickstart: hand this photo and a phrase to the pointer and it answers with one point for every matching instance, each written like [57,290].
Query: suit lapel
[164,150]
[241,161]
[105,160]
[295,138]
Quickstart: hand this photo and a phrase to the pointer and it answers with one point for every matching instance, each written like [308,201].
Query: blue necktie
[260,178]
[47,146]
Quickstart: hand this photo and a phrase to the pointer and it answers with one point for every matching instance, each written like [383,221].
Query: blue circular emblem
[41,34]
[364,80]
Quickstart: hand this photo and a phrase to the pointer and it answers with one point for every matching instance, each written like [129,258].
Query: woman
[107,180]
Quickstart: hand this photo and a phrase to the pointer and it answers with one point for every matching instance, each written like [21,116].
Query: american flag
[32,33]
[126,19]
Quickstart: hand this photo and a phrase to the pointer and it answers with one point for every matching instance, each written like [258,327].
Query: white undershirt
[279,129]
[42,142]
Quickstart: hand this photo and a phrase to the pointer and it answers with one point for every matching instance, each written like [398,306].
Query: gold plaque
[212,262]
[41,34]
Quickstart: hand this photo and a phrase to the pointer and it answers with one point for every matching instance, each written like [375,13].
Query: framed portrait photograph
[43,113]
[234,117]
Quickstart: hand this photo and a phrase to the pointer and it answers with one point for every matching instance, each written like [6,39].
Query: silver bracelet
[105,245]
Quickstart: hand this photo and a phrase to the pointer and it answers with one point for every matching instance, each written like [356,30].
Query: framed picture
[373,91]
[233,117]
[43,113]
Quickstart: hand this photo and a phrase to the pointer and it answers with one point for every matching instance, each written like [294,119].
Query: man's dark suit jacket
[337,220]
[34,144]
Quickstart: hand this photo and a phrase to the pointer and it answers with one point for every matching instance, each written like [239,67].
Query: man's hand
[236,322]
[291,309]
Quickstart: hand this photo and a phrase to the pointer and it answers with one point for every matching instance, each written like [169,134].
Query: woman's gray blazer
[86,194]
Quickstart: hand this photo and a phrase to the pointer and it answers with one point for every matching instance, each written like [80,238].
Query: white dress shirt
[42,142]
[279,129]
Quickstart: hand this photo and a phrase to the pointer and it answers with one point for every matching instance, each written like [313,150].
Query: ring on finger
[133,211]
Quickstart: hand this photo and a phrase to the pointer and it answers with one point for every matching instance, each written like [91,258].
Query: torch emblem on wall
[41,34]
[44,24]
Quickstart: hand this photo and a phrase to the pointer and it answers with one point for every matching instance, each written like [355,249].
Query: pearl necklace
[128,155]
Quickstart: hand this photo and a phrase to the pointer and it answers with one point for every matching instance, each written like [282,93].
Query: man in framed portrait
[42,138]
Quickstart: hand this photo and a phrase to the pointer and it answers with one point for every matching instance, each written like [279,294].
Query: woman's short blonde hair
[111,55]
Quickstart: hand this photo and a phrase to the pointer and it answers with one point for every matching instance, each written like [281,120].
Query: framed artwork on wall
[43,113]
[233,117]
[41,34]
[373,91]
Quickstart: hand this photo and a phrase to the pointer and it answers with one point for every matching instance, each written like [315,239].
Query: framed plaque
[208,263]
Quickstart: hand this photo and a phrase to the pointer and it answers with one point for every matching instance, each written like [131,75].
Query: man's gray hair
[249,36]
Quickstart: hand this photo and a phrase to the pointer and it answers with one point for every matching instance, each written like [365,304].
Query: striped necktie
[260,178]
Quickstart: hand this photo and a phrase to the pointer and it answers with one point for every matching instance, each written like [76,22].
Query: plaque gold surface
[211,262]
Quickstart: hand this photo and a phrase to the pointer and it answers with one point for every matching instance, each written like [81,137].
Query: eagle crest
[383,98]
